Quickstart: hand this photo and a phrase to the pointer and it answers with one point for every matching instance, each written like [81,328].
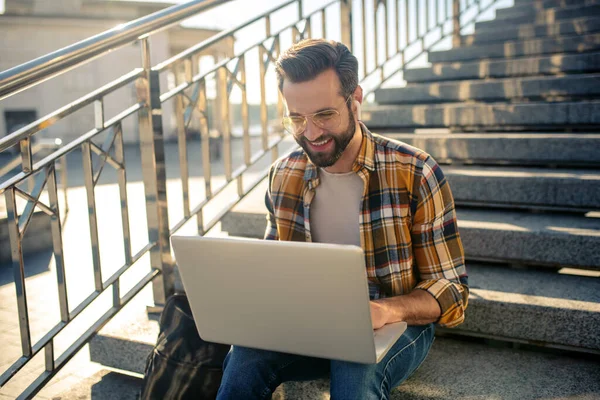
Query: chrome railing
[191,104]
[43,146]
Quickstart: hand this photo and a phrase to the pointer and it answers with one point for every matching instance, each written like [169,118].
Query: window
[15,120]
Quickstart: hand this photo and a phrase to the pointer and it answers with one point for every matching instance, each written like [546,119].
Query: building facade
[33,28]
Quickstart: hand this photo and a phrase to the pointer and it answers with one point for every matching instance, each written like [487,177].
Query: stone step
[531,188]
[103,385]
[489,116]
[549,88]
[506,148]
[511,49]
[529,5]
[551,240]
[527,66]
[552,3]
[565,307]
[509,16]
[457,369]
[486,370]
[546,16]
[530,31]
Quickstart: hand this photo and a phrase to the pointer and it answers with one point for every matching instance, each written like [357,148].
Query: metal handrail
[29,74]
[36,148]
[41,145]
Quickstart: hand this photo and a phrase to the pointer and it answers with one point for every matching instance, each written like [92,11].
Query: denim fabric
[255,374]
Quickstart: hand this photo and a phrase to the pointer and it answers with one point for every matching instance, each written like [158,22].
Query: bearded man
[350,186]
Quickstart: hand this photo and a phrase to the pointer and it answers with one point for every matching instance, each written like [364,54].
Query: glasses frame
[311,116]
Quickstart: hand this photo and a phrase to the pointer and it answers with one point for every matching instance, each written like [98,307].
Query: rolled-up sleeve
[437,247]
[271,229]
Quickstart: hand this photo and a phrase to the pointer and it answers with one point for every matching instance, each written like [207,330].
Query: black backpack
[182,365]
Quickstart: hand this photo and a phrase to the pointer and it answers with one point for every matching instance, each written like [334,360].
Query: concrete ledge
[536,88]
[527,6]
[548,88]
[497,116]
[549,15]
[556,240]
[504,301]
[104,385]
[508,148]
[485,370]
[530,188]
[529,31]
[542,65]
[461,370]
[564,44]
[552,3]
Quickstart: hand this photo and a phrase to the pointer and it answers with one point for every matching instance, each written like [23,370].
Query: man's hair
[308,58]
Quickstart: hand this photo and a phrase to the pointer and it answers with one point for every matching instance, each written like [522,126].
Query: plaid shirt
[408,227]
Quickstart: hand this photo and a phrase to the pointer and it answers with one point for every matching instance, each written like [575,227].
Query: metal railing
[190,95]
[43,146]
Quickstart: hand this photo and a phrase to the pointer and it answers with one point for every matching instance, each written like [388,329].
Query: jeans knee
[355,381]
[248,374]
[375,381]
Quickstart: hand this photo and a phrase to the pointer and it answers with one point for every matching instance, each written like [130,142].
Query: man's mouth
[320,144]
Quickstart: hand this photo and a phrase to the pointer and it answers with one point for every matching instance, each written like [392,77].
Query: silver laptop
[300,298]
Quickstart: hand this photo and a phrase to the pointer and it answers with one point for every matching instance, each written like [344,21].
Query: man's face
[324,147]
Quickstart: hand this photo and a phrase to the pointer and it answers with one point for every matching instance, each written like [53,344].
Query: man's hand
[379,314]
[415,308]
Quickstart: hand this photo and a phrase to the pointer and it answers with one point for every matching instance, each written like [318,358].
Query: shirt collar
[364,159]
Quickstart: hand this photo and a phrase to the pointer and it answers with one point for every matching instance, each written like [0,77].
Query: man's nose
[312,131]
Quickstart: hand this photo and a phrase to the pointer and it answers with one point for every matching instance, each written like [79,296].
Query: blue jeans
[255,374]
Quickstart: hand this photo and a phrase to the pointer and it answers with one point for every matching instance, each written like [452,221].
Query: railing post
[346,22]
[155,183]
[456,39]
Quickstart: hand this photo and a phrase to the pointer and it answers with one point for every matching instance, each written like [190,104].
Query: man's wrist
[394,312]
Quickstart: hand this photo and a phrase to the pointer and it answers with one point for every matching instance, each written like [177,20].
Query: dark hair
[308,58]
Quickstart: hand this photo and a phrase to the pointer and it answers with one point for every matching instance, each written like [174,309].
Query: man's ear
[358,94]
[357,101]
[358,111]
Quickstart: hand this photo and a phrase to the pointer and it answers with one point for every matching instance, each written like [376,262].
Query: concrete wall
[24,38]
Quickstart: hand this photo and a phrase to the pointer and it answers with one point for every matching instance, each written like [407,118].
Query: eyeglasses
[326,119]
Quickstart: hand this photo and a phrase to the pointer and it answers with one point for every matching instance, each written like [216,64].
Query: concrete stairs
[528,47]
[537,88]
[513,117]
[578,26]
[500,108]
[529,13]
[553,64]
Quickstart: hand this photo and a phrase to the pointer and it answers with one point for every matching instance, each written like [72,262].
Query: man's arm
[442,293]
[271,229]
[416,308]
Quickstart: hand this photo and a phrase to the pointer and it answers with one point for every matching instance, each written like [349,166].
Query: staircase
[513,117]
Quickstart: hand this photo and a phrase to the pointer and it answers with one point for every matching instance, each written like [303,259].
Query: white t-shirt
[335,208]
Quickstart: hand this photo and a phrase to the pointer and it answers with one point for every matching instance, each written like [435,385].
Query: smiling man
[350,186]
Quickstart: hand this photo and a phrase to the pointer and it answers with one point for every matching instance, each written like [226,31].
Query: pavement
[87,377]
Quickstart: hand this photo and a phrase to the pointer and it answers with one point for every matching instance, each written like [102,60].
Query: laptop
[309,299]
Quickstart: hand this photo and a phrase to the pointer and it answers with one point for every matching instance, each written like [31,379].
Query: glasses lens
[329,119]
[294,125]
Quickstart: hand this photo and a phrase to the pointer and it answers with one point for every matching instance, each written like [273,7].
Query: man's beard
[341,142]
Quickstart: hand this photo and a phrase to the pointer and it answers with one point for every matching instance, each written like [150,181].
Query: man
[350,186]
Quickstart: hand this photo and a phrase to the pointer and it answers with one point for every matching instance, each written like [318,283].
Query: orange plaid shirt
[408,227]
